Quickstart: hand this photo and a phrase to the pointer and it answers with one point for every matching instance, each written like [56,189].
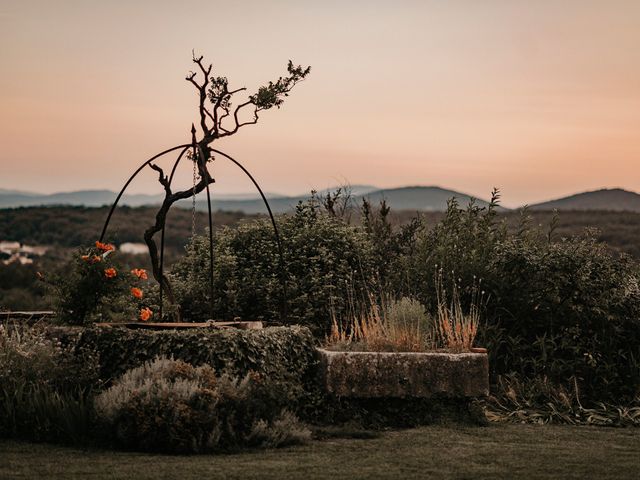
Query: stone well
[404,374]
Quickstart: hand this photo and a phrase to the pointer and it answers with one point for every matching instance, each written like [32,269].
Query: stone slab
[404,374]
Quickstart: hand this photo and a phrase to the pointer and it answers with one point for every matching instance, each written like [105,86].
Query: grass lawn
[497,451]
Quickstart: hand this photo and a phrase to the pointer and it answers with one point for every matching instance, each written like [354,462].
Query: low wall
[404,374]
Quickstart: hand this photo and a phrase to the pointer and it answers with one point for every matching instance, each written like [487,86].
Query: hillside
[406,198]
[73,226]
[615,199]
[421,198]
[85,198]
[92,198]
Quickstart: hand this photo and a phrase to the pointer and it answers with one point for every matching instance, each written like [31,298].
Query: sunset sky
[539,98]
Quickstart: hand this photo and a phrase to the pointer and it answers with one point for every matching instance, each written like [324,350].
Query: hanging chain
[193,198]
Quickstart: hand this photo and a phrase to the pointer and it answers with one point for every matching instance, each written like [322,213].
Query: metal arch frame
[126,185]
[200,154]
[275,230]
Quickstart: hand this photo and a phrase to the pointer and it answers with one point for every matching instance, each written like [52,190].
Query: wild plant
[540,400]
[400,325]
[171,406]
[456,330]
[45,386]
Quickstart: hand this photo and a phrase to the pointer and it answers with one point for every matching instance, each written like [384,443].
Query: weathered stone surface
[404,374]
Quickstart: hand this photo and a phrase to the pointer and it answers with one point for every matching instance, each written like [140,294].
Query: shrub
[401,326]
[165,406]
[554,308]
[538,400]
[96,286]
[45,386]
[324,260]
[566,309]
[34,356]
[171,406]
[279,352]
[37,412]
[455,329]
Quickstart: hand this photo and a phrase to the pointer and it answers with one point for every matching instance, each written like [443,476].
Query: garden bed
[404,374]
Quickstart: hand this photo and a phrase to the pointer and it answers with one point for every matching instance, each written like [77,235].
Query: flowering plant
[98,288]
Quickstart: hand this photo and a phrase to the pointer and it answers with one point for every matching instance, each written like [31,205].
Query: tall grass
[398,326]
[539,400]
[38,412]
[455,329]
[45,387]
[404,325]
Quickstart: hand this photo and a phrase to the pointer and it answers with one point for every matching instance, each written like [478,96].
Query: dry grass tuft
[456,330]
[401,326]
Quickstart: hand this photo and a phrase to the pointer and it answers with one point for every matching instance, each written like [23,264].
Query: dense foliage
[45,386]
[568,309]
[171,406]
[52,374]
[564,308]
[98,287]
[278,352]
[326,270]
[73,227]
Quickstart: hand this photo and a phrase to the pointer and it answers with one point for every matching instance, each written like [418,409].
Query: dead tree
[219,117]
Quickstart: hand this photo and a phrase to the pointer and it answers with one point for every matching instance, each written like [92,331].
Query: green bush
[97,286]
[279,352]
[171,406]
[37,412]
[45,386]
[560,308]
[538,400]
[328,267]
[567,308]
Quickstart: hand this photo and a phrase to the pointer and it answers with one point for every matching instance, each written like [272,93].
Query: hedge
[281,352]
[286,356]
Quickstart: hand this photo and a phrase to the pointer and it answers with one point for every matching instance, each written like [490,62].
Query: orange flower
[96,259]
[136,292]
[145,314]
[140,273]
[85,258]
[110,272]
[105,247]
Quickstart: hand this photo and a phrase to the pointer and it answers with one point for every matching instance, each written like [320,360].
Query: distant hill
[416,198]
[615,199]
[4,191]
[353,189]
[91,198]
[87,198]
[421,198]
[405,198]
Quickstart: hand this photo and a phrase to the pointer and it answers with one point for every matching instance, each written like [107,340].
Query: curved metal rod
[273,222]
[173,171]
[204,167]
[126,185]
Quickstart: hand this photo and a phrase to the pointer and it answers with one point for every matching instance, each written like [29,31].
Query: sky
[540,99]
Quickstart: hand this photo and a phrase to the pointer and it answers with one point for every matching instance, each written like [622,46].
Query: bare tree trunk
[161,217]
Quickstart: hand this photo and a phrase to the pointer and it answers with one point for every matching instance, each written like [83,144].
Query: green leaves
[271,95]
[277,351]
[326,262]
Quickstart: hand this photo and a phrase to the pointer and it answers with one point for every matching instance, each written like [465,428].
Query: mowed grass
[497,451]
